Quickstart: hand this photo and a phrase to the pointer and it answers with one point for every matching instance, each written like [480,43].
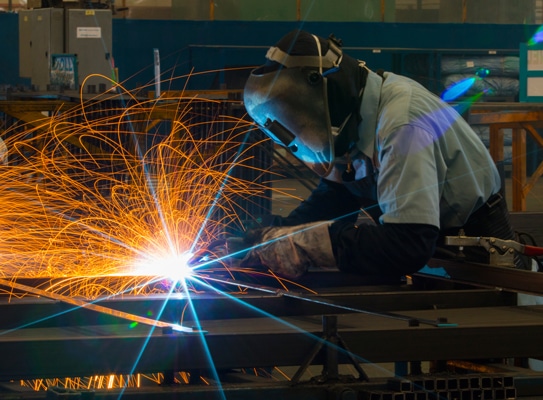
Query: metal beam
[498,278]
[41,312]
[481,333]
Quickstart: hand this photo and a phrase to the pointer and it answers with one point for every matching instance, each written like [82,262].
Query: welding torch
[229,251]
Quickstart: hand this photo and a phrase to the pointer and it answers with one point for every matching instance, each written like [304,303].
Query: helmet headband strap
[331,59]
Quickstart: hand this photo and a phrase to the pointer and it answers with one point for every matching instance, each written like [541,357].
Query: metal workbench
[427,319]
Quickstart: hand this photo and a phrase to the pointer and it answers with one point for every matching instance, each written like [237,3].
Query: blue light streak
[458,89]
[537,37]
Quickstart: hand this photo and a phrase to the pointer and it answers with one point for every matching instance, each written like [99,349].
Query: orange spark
[101,200]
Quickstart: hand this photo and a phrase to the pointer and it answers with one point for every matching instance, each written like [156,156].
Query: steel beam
[499,278]
[496,332]
[41,312]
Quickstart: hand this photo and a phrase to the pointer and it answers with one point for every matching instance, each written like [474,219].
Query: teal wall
[201,46]
[205,45]
[9,50]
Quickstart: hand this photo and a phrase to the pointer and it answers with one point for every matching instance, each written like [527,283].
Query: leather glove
[289,251]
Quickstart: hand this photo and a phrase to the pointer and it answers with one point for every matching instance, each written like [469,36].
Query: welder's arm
[384,250]
[388,249]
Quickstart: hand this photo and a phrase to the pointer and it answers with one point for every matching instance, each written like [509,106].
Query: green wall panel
[341,10]
[195,10]
[253,10]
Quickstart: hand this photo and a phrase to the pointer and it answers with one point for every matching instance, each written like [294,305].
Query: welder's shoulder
[396,90]
[406,102]
[395,107]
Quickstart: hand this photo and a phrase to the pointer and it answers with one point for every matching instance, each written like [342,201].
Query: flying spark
[102,197]
[116,195]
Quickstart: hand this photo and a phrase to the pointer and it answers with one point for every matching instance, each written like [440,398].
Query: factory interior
[126,145]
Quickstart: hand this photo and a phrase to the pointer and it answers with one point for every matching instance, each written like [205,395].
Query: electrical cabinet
[86,34]
[41,33]
[89,37]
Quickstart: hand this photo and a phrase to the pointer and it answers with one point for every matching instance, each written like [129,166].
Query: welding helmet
[305,96]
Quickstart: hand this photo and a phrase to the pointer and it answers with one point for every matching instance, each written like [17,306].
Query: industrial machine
[67,46]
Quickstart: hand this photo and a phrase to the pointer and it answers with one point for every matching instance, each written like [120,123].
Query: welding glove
[289,251]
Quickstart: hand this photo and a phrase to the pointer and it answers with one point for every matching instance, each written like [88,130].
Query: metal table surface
[474,333]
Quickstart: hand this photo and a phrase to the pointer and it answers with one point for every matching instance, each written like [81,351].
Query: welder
[379,142]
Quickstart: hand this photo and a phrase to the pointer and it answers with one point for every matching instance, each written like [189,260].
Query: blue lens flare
[537,37]
[465,104]
[482,72]
[459,88]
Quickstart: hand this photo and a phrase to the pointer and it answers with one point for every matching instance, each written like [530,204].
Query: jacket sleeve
[388,249]
[329,201]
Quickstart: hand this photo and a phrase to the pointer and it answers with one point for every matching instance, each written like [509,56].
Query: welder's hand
[290,251]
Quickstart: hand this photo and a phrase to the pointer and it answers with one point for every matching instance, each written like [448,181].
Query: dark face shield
[291,106]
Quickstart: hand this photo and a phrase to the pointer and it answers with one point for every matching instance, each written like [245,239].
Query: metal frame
[283,338]
[343,325]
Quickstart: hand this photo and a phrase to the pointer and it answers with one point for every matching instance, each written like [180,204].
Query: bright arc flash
[173,266]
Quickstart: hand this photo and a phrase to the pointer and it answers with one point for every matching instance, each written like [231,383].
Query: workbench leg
[519,169]
[496,144]
[331,342]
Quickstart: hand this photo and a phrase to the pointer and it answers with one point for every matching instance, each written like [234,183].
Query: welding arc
[96,307]
[285,293]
